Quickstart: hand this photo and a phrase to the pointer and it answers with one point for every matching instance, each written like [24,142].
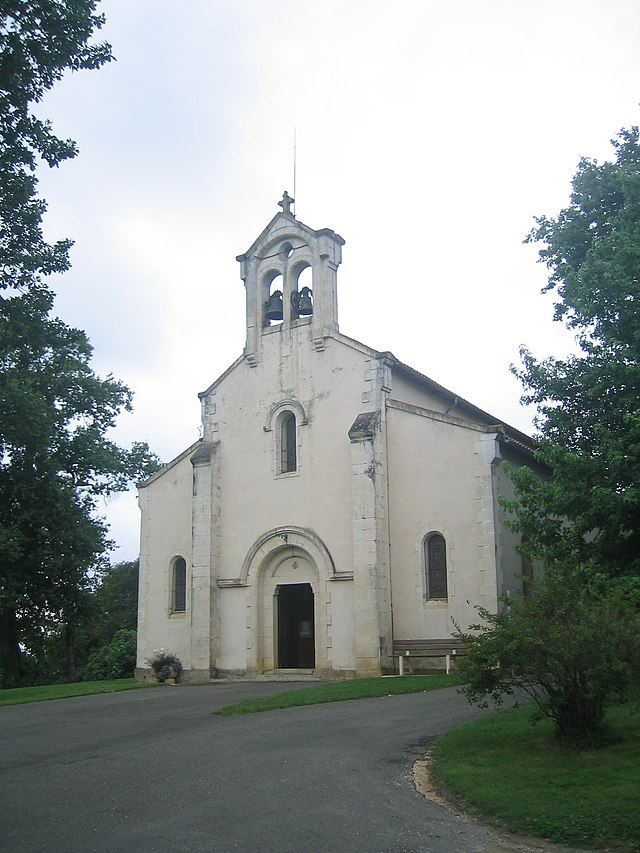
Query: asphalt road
[156,770]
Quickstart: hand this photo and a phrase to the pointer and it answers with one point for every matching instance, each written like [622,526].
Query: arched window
[284,421]
[435,557]
[288,443]
[179,586]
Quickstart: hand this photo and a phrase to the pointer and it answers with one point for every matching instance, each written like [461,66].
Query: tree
[574,646]
[569,650]
[95,609]
[116,600]
[39,41]
[55,413]
[589,404]
[55,460]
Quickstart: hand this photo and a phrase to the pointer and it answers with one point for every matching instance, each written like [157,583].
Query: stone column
[254,303]
[372,602]
[328,256]
[488,456]
[143,651]
[204,588]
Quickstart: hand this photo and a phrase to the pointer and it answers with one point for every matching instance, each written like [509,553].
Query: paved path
[155,770]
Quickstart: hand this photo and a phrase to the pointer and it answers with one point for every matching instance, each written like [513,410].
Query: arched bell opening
[274,305]
[301,293]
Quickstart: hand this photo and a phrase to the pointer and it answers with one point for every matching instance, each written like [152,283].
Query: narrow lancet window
[288,443]
[436,567]
[179,586]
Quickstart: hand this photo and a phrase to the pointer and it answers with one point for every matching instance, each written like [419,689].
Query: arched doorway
[295,626]
[288,557]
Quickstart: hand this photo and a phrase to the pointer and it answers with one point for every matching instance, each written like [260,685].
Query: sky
[428,134]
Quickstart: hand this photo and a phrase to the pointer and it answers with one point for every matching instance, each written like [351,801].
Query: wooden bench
[408,649]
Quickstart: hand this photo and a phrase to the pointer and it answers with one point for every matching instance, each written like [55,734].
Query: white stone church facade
[337,500]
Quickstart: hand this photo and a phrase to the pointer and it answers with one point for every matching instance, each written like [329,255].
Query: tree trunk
[70,652]
[10,668]
[579,720]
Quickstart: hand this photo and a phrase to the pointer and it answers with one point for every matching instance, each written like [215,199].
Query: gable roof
[168,465]
[510,434]
[515,436]
[281,221]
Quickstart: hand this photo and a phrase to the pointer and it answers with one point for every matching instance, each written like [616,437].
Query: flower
[165,664]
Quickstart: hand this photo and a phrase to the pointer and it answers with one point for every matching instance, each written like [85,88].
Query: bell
[305,305]
[274,306]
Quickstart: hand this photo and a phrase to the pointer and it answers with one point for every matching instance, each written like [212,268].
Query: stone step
[289,675]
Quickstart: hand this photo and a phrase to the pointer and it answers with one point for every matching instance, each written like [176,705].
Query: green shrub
[572,649]
[115,660]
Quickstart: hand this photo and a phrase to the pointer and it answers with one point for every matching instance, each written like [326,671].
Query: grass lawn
[512,773]
[340,691]
[332,692]
[22,695]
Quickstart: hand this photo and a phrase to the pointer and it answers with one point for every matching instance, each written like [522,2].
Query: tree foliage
[98,606]
[56,456]
[39,41]
[116,601]
[589,403]
[117,659]
[570,649]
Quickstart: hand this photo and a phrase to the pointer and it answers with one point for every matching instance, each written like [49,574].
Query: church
[338,503]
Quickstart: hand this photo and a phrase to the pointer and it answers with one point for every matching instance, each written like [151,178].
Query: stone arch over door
[284,556]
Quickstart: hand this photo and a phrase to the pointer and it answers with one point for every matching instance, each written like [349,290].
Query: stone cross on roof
[286,202]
